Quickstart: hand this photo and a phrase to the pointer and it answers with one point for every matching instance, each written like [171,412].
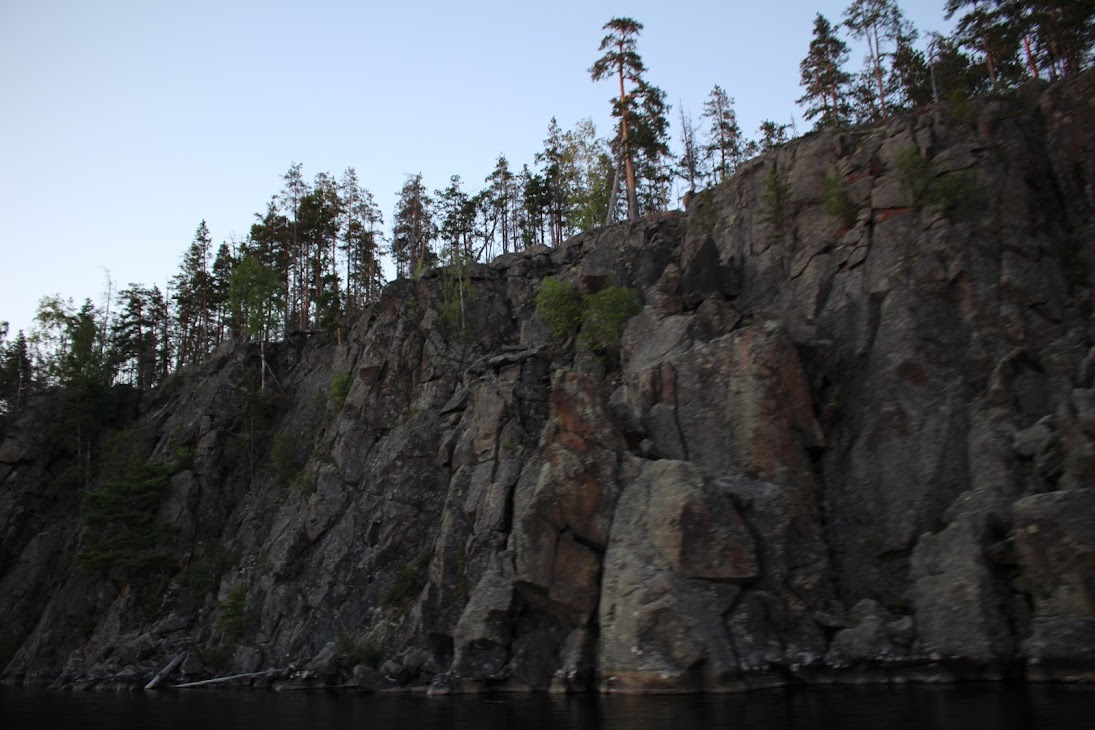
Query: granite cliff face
[849,437]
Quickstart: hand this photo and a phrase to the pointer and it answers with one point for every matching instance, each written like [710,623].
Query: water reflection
[945,708]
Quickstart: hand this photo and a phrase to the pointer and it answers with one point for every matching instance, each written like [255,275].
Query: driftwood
[218,680]
[167,670]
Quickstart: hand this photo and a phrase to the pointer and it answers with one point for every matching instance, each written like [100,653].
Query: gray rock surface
[828,450]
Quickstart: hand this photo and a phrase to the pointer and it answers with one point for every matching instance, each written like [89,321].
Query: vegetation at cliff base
[232,620]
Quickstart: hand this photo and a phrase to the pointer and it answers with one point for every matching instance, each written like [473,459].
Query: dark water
[975,707]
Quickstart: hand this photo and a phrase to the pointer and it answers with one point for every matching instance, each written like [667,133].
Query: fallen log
[167,670]
[219,680]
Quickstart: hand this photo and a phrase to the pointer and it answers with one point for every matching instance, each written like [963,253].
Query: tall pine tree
[823,78]
[620,60]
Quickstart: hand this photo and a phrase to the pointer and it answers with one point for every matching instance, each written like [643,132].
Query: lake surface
[967,707]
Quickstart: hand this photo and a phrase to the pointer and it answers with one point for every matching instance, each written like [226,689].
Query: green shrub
[360,652]
[182,460]
[559,306]
[606,313]
[216,656]
[949,194]
[835,198]
[960,110]
[598,318]
[340,388]
[306,483]
[257,408]
[285,457]
[775,198]
[203,574]
[232,620]
[457,290]
[409,581]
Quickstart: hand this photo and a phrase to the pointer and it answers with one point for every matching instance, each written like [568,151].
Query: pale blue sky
[124,123]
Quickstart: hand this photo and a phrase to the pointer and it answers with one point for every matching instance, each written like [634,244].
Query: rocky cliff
[850,436]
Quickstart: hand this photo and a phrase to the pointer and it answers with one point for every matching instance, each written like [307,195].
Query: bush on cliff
[559,306]
[599,318]
[605,316]
[948,194]
[835,198]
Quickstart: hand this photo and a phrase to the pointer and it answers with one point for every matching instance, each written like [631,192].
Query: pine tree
[622,61]
[824,80]
[1059,34]
[16,374]
[650,140]
[772,135]
[136,335]
[909,72]
[879,23]
[501,201]
[983,30]
[192,287]
[534,203]
[289,202]
[724,143]
[551,157]
[456,220]
[220,274]
[50,337]
[255,296]
[413,228]
[270,243]
[361,242]
[318,218]
[85,379]
[586,172]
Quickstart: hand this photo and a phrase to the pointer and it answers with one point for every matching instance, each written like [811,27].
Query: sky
[125,123]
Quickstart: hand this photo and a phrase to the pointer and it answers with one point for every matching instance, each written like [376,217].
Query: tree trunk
[632,200]
[166,671]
